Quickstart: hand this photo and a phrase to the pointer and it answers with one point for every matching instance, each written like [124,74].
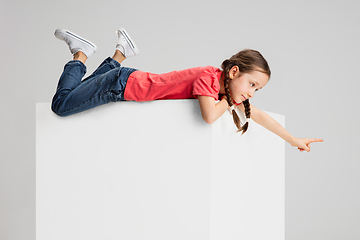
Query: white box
[156,170]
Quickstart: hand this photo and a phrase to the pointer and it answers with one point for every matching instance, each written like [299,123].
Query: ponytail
[236,118]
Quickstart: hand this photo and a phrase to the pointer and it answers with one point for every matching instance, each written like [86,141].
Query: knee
[56,108]
[56,111]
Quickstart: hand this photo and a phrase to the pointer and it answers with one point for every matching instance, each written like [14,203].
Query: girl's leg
[106,84]
[80,56]
[99,90]
[118,56]
[108,64]
[74,70]
[125,48]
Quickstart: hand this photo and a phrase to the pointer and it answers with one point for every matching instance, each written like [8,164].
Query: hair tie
[232,107]
[247,120]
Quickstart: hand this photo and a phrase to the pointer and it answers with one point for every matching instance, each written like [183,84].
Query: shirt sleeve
[207,84]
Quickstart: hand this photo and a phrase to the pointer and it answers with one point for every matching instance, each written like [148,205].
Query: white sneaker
[125,45]
[75,42]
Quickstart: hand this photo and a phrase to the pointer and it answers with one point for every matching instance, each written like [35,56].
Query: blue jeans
[106,84]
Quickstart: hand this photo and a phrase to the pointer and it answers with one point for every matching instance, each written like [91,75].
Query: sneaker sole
[59,33]
[129,41]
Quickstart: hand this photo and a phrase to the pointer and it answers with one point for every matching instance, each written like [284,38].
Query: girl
[241,76]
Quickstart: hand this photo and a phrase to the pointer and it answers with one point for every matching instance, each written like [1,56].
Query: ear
[233,71]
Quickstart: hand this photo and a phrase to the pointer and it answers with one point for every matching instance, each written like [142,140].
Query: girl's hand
[303,144]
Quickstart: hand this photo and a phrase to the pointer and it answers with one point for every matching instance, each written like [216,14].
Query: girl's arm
[260,117]
[210,110]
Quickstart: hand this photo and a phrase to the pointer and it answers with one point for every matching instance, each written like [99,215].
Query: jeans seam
[83,103]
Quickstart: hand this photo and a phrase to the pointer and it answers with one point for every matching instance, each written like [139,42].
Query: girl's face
[243,86]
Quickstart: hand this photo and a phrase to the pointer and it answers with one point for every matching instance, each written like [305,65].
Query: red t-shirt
[183,84]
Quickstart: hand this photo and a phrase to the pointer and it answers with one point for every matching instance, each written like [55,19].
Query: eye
[252,84]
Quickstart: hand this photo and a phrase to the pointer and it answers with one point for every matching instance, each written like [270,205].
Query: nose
[251,93]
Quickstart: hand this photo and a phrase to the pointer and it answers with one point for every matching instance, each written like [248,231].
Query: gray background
[313,51]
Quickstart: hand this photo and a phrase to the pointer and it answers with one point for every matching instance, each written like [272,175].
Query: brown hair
[247,61]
